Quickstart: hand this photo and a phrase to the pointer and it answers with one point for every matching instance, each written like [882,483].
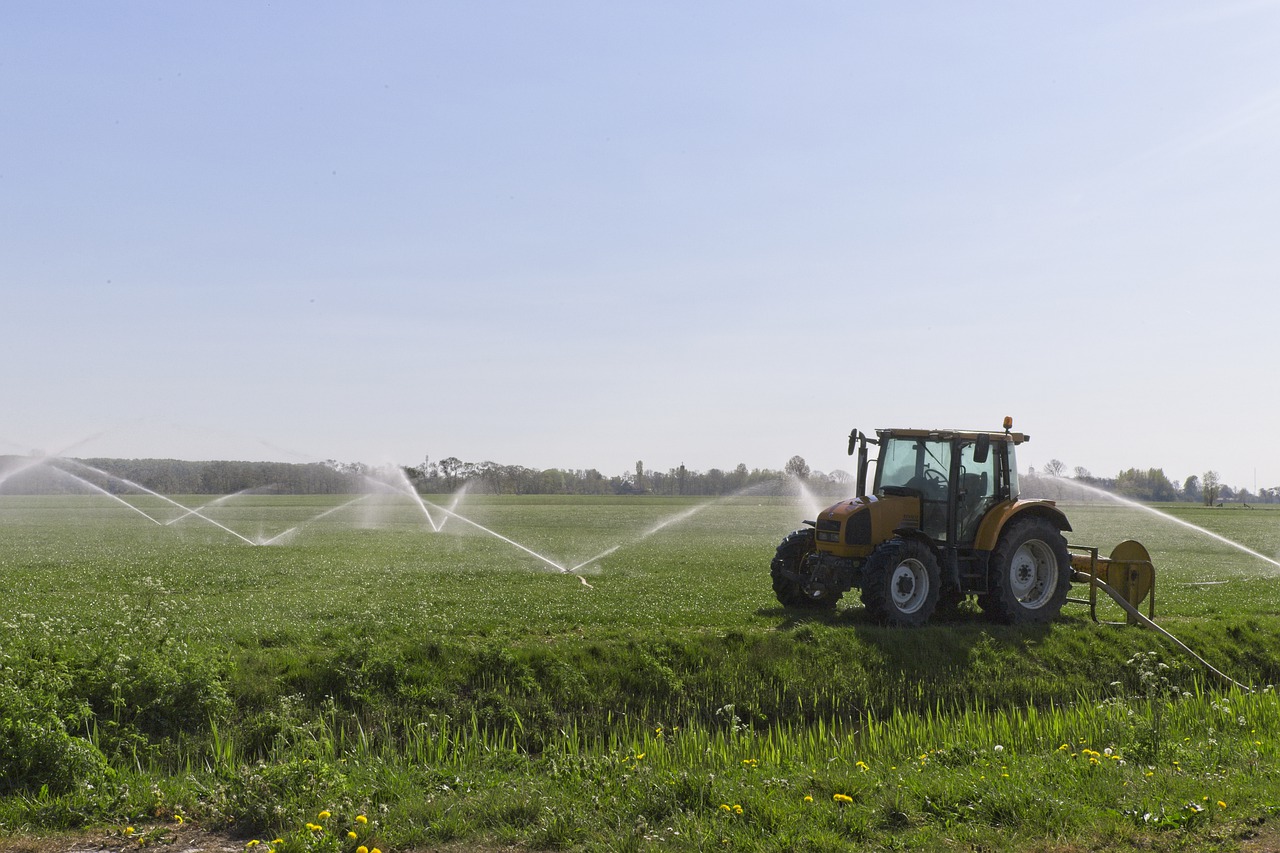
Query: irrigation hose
[1148,623]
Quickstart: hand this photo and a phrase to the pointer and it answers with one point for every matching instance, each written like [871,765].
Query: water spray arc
[140,488]
[1173,518]
[215,502]
[82,481]
[494,533]
[686,514]
[312,520]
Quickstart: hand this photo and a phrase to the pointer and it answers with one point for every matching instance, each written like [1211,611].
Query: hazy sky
[581,234]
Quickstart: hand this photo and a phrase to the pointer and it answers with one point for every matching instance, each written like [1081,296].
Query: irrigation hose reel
[1127,574]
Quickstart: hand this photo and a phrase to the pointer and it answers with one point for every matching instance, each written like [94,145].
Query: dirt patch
[174,839]
[187,838]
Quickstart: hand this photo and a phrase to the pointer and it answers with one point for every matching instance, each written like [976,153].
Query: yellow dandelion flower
[324,815]
[1221,804]
[178,818]
[128,830]
[842,798]
[277,841]
[361,819]
[254,843]
[362,849]
[725,807]
[737,809]
[639,755]
[862,765]
[375,850]
[808,799]
[352,835]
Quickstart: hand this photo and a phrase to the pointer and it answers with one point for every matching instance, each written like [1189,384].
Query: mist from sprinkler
[808,501]
[397,484]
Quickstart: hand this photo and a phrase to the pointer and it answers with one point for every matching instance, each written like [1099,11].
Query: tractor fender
[994,522]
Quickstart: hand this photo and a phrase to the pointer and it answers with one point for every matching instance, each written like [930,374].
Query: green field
[458,686]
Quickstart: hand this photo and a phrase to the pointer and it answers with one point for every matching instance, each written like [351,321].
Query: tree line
[448,475]
[176,477]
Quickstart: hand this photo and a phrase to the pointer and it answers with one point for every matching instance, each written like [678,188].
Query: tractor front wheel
[793,581]
[902,582]
[1030,574]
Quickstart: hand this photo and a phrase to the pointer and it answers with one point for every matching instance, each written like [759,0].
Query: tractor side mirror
[981,449]
[853,442]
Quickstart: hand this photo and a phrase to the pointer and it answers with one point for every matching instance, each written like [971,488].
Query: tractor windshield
[915,463]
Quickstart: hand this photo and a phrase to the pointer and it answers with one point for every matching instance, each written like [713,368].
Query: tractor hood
[849,528]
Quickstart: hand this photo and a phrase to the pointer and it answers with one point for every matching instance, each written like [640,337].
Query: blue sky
[583,234]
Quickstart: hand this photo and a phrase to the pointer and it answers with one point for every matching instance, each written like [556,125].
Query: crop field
[606,673]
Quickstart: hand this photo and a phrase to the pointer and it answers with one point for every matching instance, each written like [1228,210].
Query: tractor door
[976,492]
[920,466]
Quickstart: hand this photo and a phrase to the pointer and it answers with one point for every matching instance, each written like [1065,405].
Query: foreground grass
[1194,771]
[450,686]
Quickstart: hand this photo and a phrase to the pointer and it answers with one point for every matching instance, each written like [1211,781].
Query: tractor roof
[948,434]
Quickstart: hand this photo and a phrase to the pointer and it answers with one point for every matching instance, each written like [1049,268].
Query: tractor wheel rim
[1033,574]
[909,586]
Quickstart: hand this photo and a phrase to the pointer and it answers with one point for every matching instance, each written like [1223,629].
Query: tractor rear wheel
[1030,574]
[793,580]
[902,582]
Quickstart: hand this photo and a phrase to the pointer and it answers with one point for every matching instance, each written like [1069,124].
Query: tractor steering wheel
[931,484]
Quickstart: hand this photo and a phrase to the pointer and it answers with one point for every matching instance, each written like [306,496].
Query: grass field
[458,685]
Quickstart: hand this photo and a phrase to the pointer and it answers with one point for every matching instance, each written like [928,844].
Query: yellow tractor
[943,521]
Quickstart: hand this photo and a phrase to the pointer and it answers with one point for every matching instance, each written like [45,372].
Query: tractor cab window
[978,491]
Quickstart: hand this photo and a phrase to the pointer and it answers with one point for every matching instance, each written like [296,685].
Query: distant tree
[797,467]
[1191,488]
[450,469]
[1083,474]
[1210,487]
[639,476]
[1054,468]
[1148,485]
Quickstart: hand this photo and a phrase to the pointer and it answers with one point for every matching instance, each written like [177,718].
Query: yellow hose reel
[1128,571]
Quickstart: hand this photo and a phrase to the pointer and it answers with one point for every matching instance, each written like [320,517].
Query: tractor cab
[957,477]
